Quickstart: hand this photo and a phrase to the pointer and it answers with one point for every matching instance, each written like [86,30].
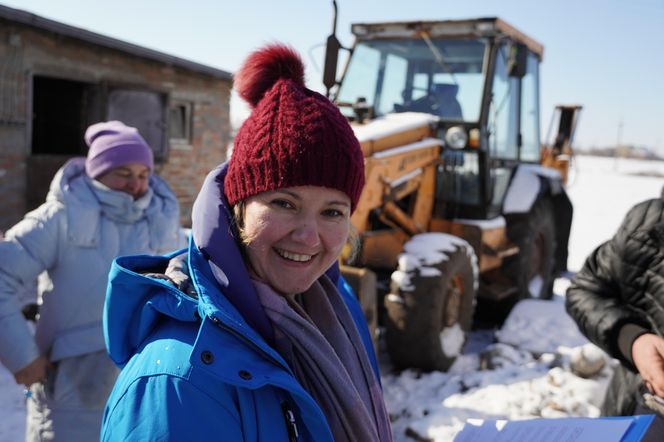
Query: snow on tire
[431,302]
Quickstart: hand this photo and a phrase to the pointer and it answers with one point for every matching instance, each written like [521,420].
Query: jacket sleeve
[595,298]
[166,408]
[29,248]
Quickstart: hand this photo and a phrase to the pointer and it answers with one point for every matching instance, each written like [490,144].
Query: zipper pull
[291,426]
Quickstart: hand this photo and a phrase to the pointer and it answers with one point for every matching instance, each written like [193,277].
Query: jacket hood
[71,187]
[135,303]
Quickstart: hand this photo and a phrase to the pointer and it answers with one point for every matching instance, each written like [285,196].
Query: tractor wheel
[430,308]
[533,268]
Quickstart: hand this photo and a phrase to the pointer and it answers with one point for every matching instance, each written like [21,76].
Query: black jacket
[619,295]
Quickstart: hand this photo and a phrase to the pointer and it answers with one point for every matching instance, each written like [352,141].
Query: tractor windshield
[441,77]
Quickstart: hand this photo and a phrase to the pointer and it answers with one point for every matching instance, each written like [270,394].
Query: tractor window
[420,86]
[503,116]
[395,77]
[361,77]
[530,136]
[441,77]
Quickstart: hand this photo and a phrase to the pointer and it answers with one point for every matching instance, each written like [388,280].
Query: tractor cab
[479,77]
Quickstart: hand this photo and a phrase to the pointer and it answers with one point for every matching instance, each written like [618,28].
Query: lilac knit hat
[112,144]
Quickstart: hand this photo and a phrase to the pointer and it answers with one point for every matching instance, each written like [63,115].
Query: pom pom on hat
[113,144]
[293,136]
[264,67]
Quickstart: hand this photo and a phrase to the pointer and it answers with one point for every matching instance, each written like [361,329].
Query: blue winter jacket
[194,369]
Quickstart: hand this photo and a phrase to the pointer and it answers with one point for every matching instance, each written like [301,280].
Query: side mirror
[518,60]
[331,55]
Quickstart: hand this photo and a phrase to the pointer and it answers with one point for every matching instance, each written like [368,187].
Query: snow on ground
[602,190]
[531,356]
[528,375]
[527,363]
[12,408]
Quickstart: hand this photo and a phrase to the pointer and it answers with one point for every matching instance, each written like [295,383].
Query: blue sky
[604,54]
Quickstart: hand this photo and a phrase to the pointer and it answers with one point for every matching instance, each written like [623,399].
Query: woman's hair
[238,222]
[349,254]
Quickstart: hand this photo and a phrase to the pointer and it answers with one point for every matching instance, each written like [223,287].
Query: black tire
[416,318]
[533,268]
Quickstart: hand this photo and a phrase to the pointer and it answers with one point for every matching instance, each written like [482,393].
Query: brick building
[57,79]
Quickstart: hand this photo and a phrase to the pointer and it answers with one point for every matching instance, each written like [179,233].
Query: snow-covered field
[530,357]
[532,353]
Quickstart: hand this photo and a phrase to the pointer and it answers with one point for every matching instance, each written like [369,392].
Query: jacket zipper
[291,426]
[289,416]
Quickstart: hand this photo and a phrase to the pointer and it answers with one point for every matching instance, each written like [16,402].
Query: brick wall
[25,52]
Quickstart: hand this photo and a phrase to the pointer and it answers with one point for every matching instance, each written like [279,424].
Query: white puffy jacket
[73,238]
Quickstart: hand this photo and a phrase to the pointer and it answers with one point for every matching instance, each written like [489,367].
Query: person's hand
[32,373]
[648,356]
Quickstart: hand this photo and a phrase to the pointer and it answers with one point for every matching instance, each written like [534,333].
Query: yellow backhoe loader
[458,205]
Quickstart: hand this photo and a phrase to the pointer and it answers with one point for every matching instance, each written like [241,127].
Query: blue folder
[617,428]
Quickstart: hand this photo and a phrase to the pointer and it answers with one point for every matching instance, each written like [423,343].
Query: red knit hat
[293,137]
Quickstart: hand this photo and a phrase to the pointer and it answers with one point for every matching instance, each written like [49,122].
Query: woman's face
[293,235]
[130,178]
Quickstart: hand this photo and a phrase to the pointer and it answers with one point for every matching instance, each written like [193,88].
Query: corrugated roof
[29,19]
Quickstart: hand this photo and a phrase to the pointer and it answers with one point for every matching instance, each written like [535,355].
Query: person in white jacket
[99,207]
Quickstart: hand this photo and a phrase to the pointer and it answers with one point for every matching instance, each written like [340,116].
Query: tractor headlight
[456,137]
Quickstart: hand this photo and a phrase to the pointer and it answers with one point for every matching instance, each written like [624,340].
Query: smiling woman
[271,344]
[293,235]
